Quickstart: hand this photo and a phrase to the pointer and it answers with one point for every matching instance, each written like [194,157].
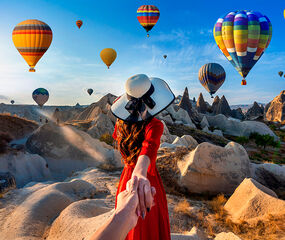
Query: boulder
[102,124]
[252,201]
[204,123]
[213,169]
[227,236]
[166,136]
[80,220]
[166,119]
[186,140]
[41,207]
[68,149]
[201,104]
[25,167]
[270,175]
[218,132]
[182,115]
[215,104]
[223,107]
[236,128]
[276,109]
[254,112]
[7,182]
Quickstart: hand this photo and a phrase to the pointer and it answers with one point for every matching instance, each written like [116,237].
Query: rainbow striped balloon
[32,38]
[148,16]
[243,36]
[212,77]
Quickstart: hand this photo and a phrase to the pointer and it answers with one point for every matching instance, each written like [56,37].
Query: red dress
[155,226]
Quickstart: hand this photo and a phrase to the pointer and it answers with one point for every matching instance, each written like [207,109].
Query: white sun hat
[144,98]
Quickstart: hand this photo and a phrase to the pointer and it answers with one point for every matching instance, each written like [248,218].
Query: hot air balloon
[243,37]
[79,23]
[108,56]
[40,96]
[280,73]
[90,91]
[212,77]
[165,56]
[148,16]
[32,39]
[12,101]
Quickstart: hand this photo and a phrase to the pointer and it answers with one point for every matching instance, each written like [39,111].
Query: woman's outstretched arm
[144,188]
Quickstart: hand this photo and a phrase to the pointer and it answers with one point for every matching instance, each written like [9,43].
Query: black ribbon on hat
[137,106]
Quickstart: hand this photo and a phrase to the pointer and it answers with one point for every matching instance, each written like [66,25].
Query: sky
[72,64]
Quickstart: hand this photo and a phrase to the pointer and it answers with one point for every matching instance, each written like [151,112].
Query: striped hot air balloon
[40,96]
[32,39]
[243,36]
[79,23]
[212,77]
[148,16]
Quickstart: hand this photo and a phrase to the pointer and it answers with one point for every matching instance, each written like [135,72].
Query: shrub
[5,138]
[107,138]
[242,140]
[264,140]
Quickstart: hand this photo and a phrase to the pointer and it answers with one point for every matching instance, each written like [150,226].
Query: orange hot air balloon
[108,56]
[79,23]
[32,39]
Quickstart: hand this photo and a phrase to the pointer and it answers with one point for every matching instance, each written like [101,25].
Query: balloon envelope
[40,96]
[212,77]
[12,101]
[108,56]
[165,56]
[90,91]
[79,23]
[32,39]
[148,16]
[280,73]
[243,36]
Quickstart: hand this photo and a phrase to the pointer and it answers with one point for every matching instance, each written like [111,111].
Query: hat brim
[162,96]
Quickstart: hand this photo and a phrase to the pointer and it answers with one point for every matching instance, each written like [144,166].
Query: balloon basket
[147,35]
[243,82]
[32,70]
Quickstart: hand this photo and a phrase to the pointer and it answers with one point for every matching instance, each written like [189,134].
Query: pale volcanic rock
[201,104]
[252,201]
[213,169]
[276,109]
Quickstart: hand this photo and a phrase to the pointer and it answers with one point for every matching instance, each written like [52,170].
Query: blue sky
[184,32]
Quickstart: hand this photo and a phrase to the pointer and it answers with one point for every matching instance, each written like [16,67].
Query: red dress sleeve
[151,142]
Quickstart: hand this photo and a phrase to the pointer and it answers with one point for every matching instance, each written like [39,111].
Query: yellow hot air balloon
[108,56]
[32,39]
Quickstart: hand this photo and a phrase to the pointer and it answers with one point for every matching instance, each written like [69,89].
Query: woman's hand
[145,195]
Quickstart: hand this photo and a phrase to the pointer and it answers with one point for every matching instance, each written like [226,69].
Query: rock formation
[238,114]
[25,167]
[254,112]
[16,126]
[252,201]
[276,109]
[7,181]
[236,128]
[102,106]
[223,107]
[66,145]
[185,102]
[213,169]
[215,104]
[201,104]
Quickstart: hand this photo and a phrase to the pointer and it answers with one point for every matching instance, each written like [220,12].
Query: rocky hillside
[16,126]
[276,109]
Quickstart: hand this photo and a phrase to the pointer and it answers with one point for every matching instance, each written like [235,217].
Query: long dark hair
[130,137]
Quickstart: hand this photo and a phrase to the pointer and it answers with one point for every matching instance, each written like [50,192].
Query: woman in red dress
[138,134]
